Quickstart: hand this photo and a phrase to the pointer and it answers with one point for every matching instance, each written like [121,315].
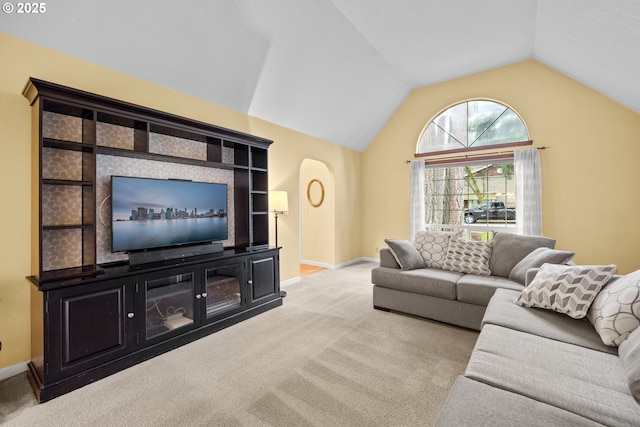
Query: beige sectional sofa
[537,367]
[456,297]
[549,353]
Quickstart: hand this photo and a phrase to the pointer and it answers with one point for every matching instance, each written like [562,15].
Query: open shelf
[75,127]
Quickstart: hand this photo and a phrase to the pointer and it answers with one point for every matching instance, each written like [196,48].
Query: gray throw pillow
[468,257]
[629,352]
[568,289]
[509,249]
[536,258]
[406,254]
[615,312]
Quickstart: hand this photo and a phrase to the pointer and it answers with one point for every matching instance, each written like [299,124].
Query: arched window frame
[450,154]
[461,155]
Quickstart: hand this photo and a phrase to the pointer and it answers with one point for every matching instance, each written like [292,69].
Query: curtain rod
[467,156]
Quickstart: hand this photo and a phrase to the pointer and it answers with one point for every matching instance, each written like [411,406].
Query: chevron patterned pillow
[568,289]
[615,313]
[468,257]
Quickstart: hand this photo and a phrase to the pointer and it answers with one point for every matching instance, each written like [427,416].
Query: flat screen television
[156,213]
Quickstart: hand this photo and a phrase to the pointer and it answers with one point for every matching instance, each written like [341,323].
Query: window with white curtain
[461,191]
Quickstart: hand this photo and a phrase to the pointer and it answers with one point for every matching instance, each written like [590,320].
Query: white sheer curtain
[528,191]
[416,215]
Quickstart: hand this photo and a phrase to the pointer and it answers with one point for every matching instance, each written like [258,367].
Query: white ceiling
[338,69]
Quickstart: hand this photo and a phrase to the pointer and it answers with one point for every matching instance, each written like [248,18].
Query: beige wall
[317,236]
[590,179]
[590,193]
[285,158]
[22,60]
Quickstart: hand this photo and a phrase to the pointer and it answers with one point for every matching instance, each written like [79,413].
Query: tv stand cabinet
[93,315]
[88,328]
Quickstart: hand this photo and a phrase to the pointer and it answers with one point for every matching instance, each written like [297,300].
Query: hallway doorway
[317,213]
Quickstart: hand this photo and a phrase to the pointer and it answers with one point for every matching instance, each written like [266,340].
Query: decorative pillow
[536,258]
[433,246]
[568,289]
[630,355]
[509,249]
[405,254]
[615,313]
[468,256]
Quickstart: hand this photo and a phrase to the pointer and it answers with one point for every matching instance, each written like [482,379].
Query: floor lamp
[279,205]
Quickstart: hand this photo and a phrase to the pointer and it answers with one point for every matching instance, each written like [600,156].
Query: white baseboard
[290,281]
[341,265]
[368,259]
[12,371]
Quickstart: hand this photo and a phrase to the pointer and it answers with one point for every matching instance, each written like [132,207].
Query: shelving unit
[66,189]
[72,127]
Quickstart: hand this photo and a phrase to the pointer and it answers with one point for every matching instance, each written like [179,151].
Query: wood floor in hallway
[306,269]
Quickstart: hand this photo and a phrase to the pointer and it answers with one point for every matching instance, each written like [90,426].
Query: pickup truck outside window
[479,198]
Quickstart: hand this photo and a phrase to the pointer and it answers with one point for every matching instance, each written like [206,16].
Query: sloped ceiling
[338,69]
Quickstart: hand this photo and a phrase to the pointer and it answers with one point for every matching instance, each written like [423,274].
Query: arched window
[466,190]
[472,125]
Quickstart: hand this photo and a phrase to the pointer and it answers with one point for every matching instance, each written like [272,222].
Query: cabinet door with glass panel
[170,304]
[223,291]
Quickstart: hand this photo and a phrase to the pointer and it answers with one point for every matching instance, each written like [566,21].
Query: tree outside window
[471,195]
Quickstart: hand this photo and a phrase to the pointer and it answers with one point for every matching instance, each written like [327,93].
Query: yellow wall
[589,189]
[317,239]
[590,178]
[21,60]
[285,158]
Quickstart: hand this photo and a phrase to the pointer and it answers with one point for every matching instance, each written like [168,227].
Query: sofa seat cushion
[502,311]
[478,290]
[472,403]
[426,281]
[590,383]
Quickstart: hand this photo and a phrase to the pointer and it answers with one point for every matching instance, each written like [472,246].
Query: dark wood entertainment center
[90,319]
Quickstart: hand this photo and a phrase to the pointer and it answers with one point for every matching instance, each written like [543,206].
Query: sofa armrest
[387,259]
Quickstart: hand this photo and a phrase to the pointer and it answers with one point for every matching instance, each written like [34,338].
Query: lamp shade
[279,201]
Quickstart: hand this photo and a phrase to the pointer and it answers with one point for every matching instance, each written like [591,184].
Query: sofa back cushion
[630,354]
[535,259]
[509,249]
[615,312]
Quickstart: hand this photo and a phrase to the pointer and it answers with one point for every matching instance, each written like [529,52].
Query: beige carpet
[325,358]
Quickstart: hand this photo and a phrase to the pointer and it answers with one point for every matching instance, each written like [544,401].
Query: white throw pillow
[433,246]
[468,257]
[568,289]
[615,312]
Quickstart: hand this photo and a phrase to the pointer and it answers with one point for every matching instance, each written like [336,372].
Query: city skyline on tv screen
[149,213]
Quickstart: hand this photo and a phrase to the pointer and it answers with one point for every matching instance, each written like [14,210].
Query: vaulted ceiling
[338,69]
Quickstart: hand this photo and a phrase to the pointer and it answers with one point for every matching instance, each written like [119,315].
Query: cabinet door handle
[130,315]
[198,296]
[250,282]
[204,295]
